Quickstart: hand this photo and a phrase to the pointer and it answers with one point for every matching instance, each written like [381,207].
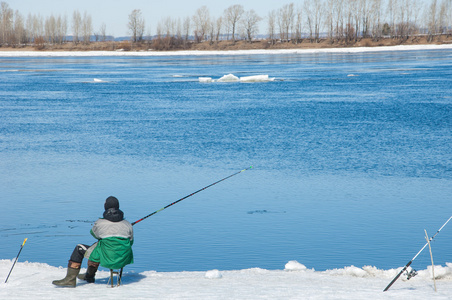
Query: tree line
[344,21]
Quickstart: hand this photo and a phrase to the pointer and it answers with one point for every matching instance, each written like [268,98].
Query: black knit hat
[111,202]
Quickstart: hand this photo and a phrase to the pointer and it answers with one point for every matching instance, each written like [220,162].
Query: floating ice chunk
[205,79]
[213,274]
[256,78]
[294,265]
[228,78]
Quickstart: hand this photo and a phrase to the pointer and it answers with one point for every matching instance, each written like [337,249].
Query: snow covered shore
[234,52]
[293,281]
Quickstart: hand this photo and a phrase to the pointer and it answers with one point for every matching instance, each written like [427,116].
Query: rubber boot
[70,280]
[90,272]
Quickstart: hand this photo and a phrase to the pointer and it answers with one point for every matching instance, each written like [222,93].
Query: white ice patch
[256,78]
[205,79]
[294,265]
[213,274]
[233,78]
[228,78]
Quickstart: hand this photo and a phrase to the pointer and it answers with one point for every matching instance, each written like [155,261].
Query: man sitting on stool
[113,250]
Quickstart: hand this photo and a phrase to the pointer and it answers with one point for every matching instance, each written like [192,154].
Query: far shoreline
[93,53]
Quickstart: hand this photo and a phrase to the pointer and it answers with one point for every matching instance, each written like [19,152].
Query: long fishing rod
[409,263]
[191,195]
[16,259]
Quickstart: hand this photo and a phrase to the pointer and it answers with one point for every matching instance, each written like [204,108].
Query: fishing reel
[410,273]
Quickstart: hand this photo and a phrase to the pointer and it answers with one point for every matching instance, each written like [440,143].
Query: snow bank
[34,281]
[232,52]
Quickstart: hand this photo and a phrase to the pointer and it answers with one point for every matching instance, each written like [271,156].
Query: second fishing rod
[183,198]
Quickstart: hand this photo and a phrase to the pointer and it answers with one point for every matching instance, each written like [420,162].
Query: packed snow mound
[441,272]
[351,271]
[233,78]
[213,274]
[294,265]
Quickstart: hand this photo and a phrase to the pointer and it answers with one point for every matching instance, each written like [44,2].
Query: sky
[114,13]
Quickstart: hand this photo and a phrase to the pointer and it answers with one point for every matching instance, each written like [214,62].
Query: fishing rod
[151,214]
[409,263]
[16,259]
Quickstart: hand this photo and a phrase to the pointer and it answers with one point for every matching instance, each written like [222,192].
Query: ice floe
[233,78]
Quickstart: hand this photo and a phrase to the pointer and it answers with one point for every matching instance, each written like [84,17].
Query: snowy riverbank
[34,280]
[234,52]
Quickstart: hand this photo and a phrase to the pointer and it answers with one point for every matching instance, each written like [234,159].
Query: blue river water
[351,157]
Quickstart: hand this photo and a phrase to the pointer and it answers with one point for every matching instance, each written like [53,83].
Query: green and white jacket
[114,247]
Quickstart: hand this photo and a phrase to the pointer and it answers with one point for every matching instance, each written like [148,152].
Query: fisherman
[113,250]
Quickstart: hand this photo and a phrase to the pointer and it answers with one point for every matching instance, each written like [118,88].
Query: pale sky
[115,13]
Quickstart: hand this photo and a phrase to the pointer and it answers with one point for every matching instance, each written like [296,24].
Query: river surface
[351,156]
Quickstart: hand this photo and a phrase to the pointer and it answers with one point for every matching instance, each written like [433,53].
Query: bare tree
[61,29]
[355,17]
[365,9]
[136,25]
[415,8]
[103,32]
[87,27]
[432,20]
[449,15]
[6,23]
[442,18]
[286,16]
[201,20]
[271,23]
[391,10]
[76,26]
[250,22]
[50,29]
[233,14]
[218,27]
[179,29]
[34,27]
[329,22]
[375,20]
[338,19]
[318,18]
[20,36]
[168,27]
[186,29]
[309,18]
[212,29]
